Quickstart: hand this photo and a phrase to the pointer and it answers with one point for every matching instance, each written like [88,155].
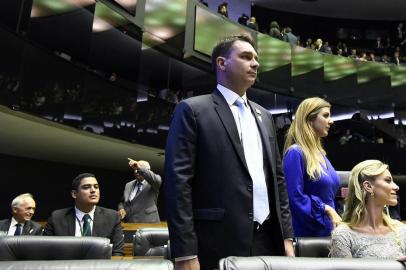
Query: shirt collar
[14,222]
[79,214]
[230,95]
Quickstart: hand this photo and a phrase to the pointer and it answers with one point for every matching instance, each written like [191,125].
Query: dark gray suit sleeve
[49,227]
[153,179]
[121,203]
[37,228]
[179,174]
[286,218]
[117,238]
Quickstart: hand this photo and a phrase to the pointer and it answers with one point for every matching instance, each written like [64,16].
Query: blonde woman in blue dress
[367,230]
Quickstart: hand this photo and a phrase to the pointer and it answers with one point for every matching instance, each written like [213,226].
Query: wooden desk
[136,226]
[135,257]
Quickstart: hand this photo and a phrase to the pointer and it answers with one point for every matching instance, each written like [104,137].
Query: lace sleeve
[341,243]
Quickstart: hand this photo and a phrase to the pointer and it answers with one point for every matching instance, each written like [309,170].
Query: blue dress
[307,197]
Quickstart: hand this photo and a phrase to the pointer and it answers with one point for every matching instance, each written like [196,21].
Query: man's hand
[122,213]
[401,259]
[192,264]
[133,164]
[332,214]
[289,250]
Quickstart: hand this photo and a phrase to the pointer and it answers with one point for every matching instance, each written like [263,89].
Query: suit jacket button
[249,187]
[250,216]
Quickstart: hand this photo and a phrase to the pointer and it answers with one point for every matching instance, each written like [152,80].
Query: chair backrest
[17,248]
[312,246]
[289,263]
[139,264]
[150,242]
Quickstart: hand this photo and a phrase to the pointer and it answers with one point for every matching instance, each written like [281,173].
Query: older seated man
[22,210]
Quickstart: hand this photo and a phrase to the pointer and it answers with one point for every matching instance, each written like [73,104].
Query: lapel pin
[259,118]
[258,111]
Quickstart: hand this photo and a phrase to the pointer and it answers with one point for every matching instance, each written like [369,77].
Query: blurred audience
[223,9]
[275,30]
[252,23]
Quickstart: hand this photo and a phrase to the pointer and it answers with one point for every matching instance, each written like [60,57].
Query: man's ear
[73,193]
[221,63]
[367,186]
[14,209]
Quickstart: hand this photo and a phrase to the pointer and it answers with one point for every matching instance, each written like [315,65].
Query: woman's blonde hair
[302,133]
[356,201]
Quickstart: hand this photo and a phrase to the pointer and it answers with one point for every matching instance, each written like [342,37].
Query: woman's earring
[372,194]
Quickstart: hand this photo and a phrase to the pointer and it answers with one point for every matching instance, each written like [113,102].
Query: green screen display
[398,76]
[368,71]
[105,18]
[272,52]
[337,67]
[210,28]
[41,8]
[305,60]
[163,20]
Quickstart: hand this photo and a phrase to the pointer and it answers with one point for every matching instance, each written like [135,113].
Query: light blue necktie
[254,159]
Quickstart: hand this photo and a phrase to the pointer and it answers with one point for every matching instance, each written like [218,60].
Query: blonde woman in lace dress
[367,230]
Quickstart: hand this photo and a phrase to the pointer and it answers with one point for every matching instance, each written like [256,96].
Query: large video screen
[210,28]
[128,5]
[118,36]
[163,20]
[398,76]
[64,26]
[305,60]
[337,67]
[273,53]
[368,71]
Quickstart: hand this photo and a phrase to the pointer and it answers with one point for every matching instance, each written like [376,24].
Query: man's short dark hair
[76,181]
[223,47]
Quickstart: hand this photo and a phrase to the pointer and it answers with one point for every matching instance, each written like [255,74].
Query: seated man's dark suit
[208,187]
[143,208]
[106,223]
[30,227]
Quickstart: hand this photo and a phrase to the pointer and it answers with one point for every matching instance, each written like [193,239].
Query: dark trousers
[262,244]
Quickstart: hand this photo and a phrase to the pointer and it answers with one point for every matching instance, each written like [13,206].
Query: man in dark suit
[22,210]
[139,201]
[225,194]
[87,219]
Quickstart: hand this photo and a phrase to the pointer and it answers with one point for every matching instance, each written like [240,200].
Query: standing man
[224,185]
[86,218]
[139,202]
[22,210]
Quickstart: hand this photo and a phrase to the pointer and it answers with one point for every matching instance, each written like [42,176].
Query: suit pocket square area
[208,214]
[151,209]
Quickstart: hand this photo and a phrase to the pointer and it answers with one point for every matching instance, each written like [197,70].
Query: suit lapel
[27,228]
[5,225]
[71,222]
[97,222]
[128,189]
[226,116]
